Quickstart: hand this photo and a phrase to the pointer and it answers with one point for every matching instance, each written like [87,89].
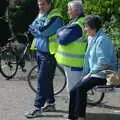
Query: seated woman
[99,54]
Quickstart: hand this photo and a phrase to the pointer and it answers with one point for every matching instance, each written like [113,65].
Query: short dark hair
[94,22]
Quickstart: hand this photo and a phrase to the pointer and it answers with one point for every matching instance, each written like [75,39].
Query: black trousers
[78,97]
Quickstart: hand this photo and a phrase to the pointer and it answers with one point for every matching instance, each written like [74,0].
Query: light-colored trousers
[73,77]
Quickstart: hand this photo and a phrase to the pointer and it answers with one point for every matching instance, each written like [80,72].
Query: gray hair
[76,4]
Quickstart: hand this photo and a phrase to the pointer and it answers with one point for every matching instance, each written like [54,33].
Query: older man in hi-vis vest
[71,51]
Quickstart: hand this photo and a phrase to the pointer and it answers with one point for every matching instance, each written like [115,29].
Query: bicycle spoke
[59,81]
[94,97]
[8,63]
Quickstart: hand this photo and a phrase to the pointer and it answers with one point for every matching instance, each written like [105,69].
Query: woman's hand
[86,76]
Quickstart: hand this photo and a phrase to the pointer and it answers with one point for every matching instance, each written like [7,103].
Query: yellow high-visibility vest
[53,45]
[73,54]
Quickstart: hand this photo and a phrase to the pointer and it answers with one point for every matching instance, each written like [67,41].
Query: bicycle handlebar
[17,35]
[22,34]
[11,39]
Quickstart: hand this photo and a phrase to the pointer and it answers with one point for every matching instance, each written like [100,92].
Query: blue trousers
[45,93]
[78,97]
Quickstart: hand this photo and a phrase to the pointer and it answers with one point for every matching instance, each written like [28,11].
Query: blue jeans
[45,93]
[78,97]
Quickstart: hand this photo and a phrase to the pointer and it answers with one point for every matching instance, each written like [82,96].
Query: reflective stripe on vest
[73,53]
[53,45]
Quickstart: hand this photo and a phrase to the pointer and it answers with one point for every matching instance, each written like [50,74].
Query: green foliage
[27,11]
[113,30]
[104,8]
[62,5]
[24,15]
[109,11]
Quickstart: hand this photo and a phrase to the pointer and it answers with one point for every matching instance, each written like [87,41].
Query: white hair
[76,4]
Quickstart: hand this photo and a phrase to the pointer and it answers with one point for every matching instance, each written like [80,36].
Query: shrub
[109,10]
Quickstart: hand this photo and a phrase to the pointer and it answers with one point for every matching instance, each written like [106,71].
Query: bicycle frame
[11,49]
[18,59]
[110,88]
[27,47]
[32,79]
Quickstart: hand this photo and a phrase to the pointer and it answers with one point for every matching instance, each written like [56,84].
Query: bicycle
[10,60]
[59,82]
[103,89]
[95,96]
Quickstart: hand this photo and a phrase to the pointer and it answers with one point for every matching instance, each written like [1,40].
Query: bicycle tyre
[64,82]
[8,63]
[95,97]
[32,79]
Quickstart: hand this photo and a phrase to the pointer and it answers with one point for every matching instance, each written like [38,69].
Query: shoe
[71,119]
[82,118]
[66,116]
[34,113]
[49,108]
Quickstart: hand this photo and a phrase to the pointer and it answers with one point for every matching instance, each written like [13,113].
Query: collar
[94,39]
[79,16]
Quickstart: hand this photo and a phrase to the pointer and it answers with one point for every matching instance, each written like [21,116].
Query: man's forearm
[52,27]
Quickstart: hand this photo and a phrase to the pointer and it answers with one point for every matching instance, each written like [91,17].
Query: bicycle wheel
[95,97]
[8,63]
[59,81]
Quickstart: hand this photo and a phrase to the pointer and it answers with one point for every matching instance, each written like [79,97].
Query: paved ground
[16,98]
